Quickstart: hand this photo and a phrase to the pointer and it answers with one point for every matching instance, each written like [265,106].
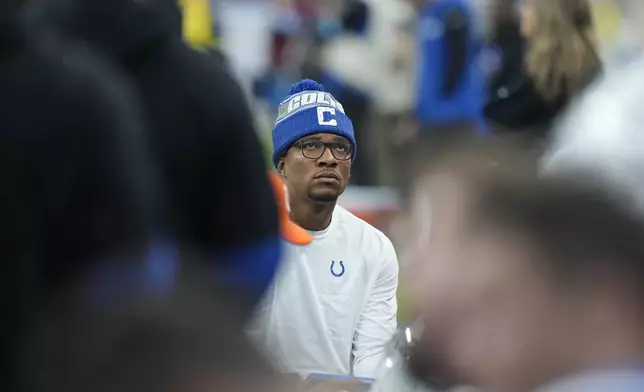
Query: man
[451,85]
[332,307]
[199,120]
[535,283]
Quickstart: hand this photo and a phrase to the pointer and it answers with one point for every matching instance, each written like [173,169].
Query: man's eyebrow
[340,139]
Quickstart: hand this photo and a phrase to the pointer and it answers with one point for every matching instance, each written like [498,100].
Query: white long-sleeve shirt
[332,307]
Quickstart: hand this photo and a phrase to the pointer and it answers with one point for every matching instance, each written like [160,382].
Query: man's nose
[327,159]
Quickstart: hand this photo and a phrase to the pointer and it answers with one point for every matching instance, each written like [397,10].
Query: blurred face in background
[492,320]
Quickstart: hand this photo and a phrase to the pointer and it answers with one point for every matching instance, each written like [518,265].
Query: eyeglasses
[314,149]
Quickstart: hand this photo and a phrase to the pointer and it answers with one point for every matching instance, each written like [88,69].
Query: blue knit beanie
[308,109]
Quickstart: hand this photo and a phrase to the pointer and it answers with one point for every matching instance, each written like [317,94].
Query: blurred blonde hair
[562,49]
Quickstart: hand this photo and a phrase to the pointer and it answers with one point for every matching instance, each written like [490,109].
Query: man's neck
[312,215]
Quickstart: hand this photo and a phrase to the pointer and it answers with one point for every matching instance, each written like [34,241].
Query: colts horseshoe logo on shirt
[337,271]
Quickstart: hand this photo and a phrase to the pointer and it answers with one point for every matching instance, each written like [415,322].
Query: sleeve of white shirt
[377,322]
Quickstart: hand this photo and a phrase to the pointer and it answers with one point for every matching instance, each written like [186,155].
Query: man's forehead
[326,137]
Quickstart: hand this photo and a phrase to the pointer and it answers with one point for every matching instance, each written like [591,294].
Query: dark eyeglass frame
[329,146]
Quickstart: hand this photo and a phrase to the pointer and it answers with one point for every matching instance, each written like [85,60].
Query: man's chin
[326,196]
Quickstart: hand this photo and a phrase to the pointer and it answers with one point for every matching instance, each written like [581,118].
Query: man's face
[317,167]
[490,313]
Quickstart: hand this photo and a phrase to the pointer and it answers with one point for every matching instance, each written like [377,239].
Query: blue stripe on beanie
[307,110]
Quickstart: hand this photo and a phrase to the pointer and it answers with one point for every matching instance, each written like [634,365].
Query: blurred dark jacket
[514,106]
[517,107]
[506,39]
[76,184]
[203,133]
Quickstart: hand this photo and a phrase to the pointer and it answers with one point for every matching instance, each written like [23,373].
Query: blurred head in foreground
[448,285]
[522,278]
[191,340]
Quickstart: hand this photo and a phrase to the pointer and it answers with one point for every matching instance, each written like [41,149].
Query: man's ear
[281,168]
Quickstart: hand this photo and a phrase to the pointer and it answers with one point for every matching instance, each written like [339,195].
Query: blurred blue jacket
[451,80]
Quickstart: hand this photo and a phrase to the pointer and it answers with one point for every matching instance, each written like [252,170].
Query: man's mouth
[328,176]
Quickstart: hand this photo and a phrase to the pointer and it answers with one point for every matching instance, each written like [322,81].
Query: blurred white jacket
[369,63]
[246,37]
[601,138]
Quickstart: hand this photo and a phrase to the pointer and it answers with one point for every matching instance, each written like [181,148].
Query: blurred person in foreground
[561,59]
[179,343]
[440,190]
[535,281]
[451,82]
[332,307]
[78,185]
[172,340]
[202,133]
